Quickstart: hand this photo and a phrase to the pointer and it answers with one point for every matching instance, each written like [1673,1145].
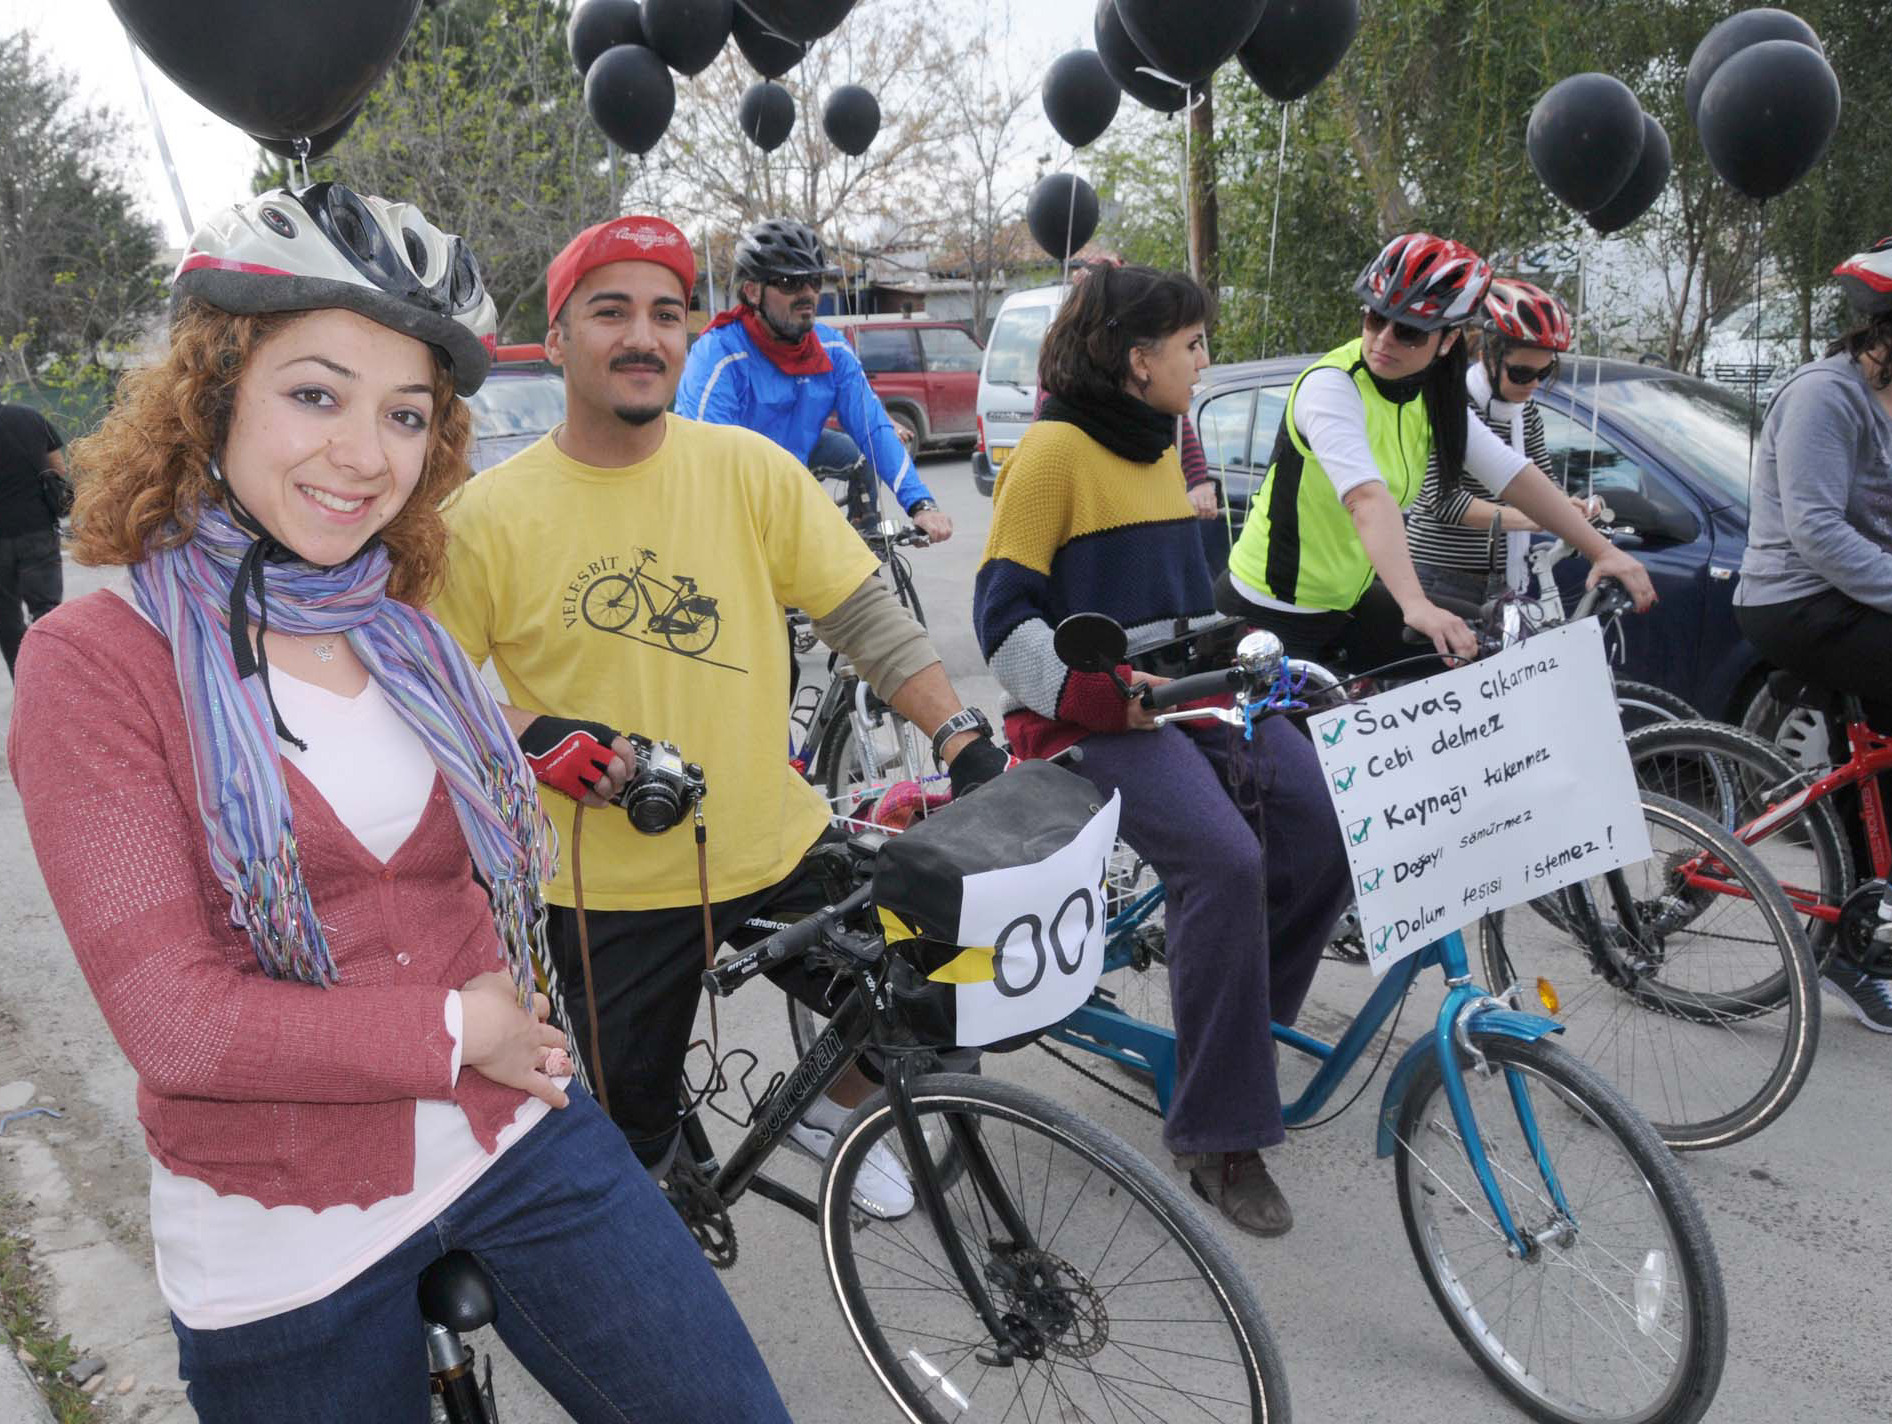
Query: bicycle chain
[1100,1081]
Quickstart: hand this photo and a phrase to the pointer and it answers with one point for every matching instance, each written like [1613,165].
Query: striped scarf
[187,592]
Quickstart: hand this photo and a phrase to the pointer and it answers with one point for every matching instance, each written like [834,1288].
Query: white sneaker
[881,1187]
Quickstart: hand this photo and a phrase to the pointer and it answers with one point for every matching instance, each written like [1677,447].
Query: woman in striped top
[1469,544]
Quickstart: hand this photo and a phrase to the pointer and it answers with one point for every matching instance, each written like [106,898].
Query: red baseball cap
[626,239]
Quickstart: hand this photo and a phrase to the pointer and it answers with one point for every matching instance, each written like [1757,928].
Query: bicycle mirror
[1090,642]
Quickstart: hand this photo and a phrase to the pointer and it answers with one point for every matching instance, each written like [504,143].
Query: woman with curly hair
[298,855]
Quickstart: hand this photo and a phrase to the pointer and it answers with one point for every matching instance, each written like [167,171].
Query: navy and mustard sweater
[1076,529]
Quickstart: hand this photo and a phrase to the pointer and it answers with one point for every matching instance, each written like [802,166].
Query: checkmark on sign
[1331,735]
[1343,780]
[1379,940]
[1370,883]
[1356,833]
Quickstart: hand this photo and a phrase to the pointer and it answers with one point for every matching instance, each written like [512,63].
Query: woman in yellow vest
[1322,561]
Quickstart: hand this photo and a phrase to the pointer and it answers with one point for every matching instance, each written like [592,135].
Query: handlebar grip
[1189,689]
[797,939]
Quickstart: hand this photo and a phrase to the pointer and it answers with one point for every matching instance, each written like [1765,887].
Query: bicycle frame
[1100,1027]
[1871,755]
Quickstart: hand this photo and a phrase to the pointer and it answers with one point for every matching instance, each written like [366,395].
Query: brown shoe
[1240,1188]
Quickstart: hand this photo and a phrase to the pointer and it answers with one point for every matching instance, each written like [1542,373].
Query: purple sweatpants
[1247,915]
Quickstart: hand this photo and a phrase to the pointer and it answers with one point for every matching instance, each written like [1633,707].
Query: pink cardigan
[272,1089]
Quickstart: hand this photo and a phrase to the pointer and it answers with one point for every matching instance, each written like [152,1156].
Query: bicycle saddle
[1791,690]
[456,1293]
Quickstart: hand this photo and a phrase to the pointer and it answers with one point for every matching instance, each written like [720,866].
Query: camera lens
[653,808]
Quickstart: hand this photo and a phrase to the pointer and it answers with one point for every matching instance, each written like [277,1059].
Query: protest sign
[1481,788]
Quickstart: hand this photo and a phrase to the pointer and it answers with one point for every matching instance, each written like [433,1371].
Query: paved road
[1800,1214]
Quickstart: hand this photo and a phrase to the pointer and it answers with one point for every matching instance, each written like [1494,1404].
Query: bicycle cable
[1371,1073]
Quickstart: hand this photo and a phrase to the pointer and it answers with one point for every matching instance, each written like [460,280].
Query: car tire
[906,429]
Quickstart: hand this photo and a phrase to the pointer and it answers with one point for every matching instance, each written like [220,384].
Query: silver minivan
[1008,378]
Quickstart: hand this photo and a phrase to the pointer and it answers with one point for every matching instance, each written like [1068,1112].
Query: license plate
[997,454]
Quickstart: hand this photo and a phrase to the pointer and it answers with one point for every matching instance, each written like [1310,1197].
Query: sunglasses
[1403,333]
[788,286]
[1531,375]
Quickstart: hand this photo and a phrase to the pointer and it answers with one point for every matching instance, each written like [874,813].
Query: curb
[20,1399]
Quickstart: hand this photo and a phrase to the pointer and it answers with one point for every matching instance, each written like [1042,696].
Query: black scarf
[1122,424]
[1400,391]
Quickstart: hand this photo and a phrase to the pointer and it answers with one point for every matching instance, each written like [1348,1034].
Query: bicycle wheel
[1618,1313]
[610,603]
[1704,1012]
[904,589]
[896,752]
[1734,777]
[693,626]
[1643,705]
[1126,1305]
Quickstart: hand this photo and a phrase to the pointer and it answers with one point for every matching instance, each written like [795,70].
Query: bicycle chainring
[1858,919]
[702,1211]
[1049,1302]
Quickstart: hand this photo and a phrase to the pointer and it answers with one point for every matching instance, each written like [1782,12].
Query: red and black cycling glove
[567,754]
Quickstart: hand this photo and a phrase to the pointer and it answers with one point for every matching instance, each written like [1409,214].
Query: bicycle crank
[702,1211]
[1858,920]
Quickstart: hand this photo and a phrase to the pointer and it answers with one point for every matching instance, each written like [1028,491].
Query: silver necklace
[323,648]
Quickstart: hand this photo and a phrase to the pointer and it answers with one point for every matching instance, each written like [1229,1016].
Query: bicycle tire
[1733,776]
[1707,1063]
[1576,1111]
[614,613]
[904,588]
[1641,704]
[844,770]
[1074,1317]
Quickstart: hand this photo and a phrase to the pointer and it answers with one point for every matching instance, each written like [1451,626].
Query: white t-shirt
[1331,416]
[230,1260]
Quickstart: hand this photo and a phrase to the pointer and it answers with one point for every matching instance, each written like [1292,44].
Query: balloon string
[1070,218]
[1596,398]
[1191,99]
[1274,233]
[1754,373]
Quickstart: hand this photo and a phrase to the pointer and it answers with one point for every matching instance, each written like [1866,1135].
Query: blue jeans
[1247,911]
[602,1293]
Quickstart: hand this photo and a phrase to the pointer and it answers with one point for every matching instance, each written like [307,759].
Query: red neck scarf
[806,357]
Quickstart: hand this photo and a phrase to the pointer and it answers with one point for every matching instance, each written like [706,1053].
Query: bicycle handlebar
[1157,697]
[782,946]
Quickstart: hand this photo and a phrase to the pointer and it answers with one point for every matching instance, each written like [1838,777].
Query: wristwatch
[966,719]
[922,506]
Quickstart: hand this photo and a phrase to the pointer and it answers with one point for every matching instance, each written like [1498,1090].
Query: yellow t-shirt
[651,598]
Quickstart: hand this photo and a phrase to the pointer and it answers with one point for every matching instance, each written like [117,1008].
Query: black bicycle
[1046,1260]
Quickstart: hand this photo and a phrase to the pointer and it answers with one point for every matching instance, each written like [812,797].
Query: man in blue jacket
[767,366]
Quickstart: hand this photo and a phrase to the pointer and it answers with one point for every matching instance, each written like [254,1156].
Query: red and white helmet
[1425,281]
[328,246]
[1527,315]
[1866,278]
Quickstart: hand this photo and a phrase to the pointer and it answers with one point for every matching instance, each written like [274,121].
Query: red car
[925,372]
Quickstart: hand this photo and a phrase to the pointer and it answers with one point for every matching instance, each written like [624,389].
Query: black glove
[566,754]
[978,762]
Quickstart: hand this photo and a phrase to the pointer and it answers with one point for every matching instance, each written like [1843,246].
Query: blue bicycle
[1553,1227]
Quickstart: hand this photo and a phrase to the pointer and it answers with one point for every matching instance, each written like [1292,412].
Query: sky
[214,160]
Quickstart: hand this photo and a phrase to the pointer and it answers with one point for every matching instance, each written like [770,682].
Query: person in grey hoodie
[1815,594]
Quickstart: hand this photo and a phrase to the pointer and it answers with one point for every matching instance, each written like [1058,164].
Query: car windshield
[1698,426]
[518,405]
[1011,357]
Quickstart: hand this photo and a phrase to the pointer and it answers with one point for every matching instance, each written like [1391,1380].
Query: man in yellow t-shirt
[628,573]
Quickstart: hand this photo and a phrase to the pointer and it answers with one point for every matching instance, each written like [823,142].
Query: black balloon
[769,54]
[1768,115]
[596,25]
[1080,97]
[1584,138]
[630,96]
[1730,37]
[767,115]
[1062,213]
[1645,185]
[1297,44]
[800,19]
[319,144]
[280,70]
[1189,39]
[851,119]
[1124,62]
[688,34]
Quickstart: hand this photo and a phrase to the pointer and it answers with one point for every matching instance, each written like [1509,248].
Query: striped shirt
[1433,528]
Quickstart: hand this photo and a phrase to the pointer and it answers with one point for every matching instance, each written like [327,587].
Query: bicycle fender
[1509,1023]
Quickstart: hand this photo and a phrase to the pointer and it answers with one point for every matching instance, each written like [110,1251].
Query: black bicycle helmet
[781,247]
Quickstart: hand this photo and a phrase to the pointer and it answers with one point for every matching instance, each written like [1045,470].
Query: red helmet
[1525,315]
[1425,281]
[1866,278]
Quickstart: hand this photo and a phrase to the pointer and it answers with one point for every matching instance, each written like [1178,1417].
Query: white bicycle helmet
[328,246]
[1866,278]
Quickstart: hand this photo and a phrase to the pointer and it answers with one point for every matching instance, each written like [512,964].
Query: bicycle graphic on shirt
[683,617]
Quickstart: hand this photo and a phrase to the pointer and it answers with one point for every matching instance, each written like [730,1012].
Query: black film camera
[663,789]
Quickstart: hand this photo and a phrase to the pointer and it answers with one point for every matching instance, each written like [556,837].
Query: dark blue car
[1669,452]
